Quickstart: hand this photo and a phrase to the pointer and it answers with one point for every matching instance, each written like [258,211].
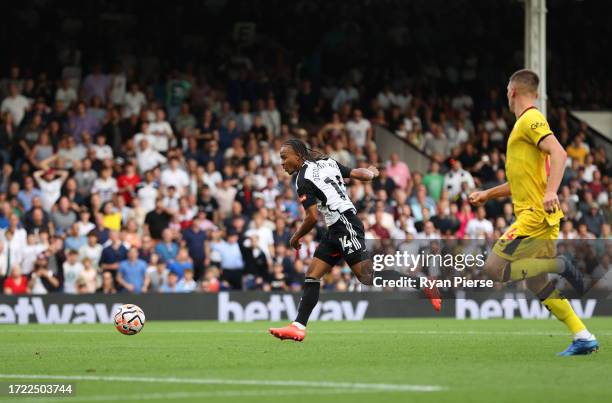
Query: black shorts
[344,239]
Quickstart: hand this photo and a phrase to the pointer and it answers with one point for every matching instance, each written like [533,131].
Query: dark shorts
[344,239]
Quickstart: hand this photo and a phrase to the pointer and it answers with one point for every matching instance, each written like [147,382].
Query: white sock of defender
[584,335]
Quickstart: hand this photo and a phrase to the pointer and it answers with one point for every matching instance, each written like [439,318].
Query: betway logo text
[33,310]
[515,305]
[281,307]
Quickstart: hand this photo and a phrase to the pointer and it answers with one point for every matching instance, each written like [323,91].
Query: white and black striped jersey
[322,183]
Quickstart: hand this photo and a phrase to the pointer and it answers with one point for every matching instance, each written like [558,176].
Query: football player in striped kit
[320,188]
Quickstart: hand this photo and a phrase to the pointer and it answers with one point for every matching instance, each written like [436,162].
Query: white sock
[584,335]
[299,325]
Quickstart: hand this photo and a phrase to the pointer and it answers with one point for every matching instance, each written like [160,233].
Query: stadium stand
[160,173]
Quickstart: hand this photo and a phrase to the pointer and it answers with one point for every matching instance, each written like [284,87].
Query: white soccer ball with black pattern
[129,319]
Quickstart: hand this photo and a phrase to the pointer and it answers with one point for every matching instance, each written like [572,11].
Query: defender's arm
[551,146]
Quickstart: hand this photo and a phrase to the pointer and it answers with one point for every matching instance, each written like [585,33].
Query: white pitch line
[188,395]
[380,387]
[356,331]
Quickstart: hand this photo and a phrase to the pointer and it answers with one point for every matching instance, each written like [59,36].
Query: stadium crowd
[142,177]
[109,184]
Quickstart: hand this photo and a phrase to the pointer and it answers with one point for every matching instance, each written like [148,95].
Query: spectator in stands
[108,284]
[28,192]
[127,182]
[386,98]
[16,283]
[85,177]
[264,236]
[232,263]
[157,220]
[13,224]
[271,118]
[161,129]
[113,254]
[436,144]
[429,231]
[377,226]
[175,176]
[88,277]
[83,122]
[96,84]
[307,100]
[185,121]
[72,270]
[187,283]
[469,157]
[420,202]
[457,135]
[42,279]
[69,153]
[8,134]
[434,181]
[148,157]
[131,274]
[593,219]
[196,242]
[359,129]
[66,94]
[112,217]
[36,220]
[102,151]
[134,101]
[382,182]
[4,261]
[462,101]
[170,286]
[105,185]
[496,126]
[567,231]
[42,152]
[281,233]
[346,95]
[50,185]
[167,249]
[96,110]
[464,215]
[15,104]
[454,179]
[156,275]
[245,119]
[147,249]
[92,250]
[398,171]
[577,151]
[180,263]
[479,227]
[63,217]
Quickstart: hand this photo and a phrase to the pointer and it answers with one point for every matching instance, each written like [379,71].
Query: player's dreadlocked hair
[305,152]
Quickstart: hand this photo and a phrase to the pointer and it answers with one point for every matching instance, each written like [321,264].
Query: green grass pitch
[425,360]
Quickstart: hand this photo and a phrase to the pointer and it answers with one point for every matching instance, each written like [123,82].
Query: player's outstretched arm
[480,197]
[309,222]
[364,174]
[551,146]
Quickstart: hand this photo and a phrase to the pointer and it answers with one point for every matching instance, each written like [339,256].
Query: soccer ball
[129,319]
